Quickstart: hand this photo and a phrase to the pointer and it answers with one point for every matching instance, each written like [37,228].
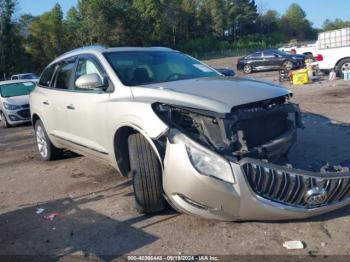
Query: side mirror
[90,82]
[226,71]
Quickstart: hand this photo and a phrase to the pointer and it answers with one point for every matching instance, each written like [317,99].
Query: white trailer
[333,50]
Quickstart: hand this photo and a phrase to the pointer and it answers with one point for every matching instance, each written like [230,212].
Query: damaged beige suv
[205,143]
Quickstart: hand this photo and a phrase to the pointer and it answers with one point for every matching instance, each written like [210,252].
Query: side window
[64,77]
[46,76]
[15,78]
[87,66]
[256,55]
[269,54]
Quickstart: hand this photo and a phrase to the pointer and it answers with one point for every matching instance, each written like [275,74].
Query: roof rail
[161,47]
[98,47]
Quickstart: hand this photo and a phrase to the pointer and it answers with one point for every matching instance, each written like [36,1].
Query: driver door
[87,111]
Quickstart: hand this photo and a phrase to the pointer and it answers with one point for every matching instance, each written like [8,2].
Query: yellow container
[300,77]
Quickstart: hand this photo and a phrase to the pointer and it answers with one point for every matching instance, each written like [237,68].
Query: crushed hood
[217,94]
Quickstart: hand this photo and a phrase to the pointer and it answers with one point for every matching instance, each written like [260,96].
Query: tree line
[29,43]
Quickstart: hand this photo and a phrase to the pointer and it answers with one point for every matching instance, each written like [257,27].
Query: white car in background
[25,76]
[14,102]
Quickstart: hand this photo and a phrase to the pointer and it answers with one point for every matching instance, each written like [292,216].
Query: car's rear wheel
[288,64]
[343,66]
[247,69]
[4,121]
[146,175]
[46,149]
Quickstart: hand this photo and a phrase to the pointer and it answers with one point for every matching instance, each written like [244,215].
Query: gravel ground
[95,205]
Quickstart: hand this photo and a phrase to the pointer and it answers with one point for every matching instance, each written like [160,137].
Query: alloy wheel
[41,141]
[288,64]
[247,69]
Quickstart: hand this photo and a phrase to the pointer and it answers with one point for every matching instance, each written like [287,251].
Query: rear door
[42,99]
[271,60]
[256,60]
[62,85]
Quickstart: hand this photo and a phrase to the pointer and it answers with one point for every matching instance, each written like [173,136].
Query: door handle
[46,103]
[70,107]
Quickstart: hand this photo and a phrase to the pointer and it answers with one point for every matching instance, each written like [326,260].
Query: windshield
[16,89]
[149,67]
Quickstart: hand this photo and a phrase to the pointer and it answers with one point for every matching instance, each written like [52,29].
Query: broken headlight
[206,162]
[176,117]
[204,127]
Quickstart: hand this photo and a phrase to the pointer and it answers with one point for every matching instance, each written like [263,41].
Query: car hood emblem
[316,196]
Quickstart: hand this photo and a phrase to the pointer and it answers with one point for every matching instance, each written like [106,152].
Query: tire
[288,64]
[146,175]
[47,150]
[4,121]
[247,69]
[341,66]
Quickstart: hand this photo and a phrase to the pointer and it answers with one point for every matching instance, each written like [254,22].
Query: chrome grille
[290,186]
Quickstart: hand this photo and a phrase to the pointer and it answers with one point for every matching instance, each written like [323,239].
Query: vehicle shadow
[322,141]
[66,154]
[77,229]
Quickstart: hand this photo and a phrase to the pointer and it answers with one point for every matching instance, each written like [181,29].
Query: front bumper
[17,117]
[248,198]
[240,66]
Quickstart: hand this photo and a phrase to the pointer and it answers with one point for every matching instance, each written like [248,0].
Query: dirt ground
[96,213]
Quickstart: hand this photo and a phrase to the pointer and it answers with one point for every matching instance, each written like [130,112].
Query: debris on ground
[296,244]
[332,75]
[39,210]
[313,253]
[51,216]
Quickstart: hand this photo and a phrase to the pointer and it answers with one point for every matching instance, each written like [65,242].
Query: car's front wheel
[46,149]
[4,121]
[248,69]
[146,175]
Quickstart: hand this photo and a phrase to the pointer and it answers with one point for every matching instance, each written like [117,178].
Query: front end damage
[222,166]
[264,130]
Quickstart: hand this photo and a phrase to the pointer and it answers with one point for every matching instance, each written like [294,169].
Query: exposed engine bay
[264,129]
